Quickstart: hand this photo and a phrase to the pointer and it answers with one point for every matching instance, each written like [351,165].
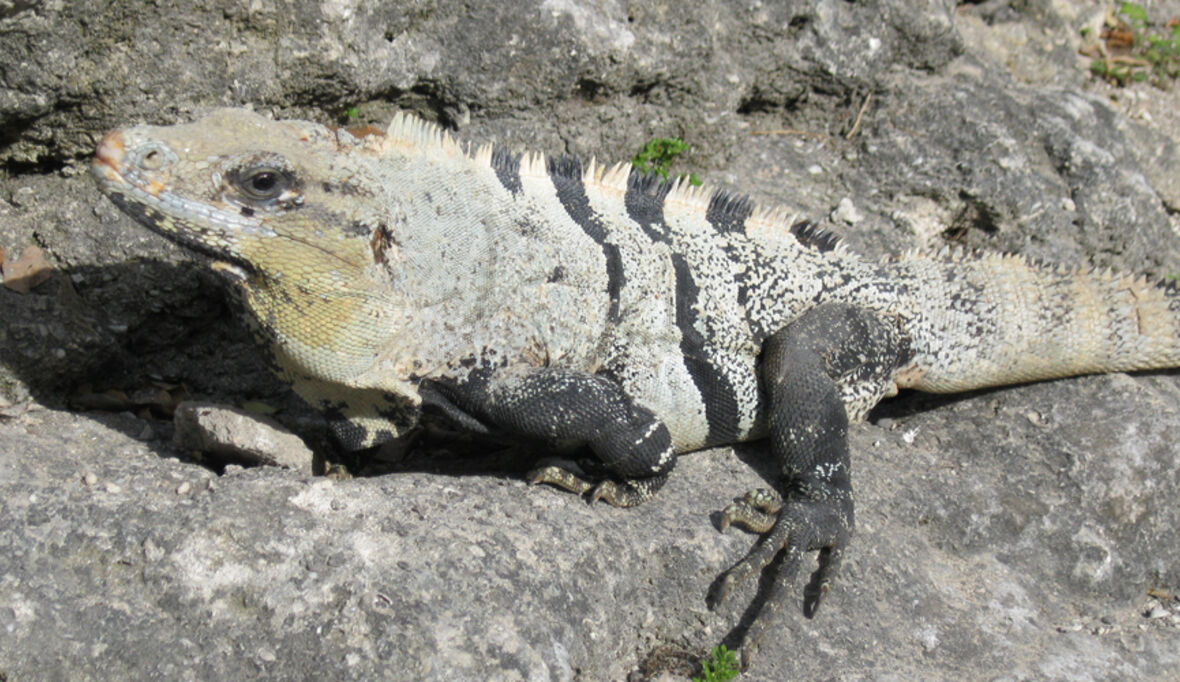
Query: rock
[989,542]
[846,212]
[239,435]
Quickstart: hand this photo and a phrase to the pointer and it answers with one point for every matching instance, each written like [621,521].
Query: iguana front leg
[555,404]
[832,360]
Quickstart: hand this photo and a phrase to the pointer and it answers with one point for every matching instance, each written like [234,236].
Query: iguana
[392,275]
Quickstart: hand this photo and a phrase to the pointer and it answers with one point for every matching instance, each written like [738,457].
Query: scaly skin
[546,300]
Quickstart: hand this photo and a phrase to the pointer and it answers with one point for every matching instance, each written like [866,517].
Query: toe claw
[603,491]
[629,492]
[559,477]
[747,655]
[626,493]
[756,511]
[720,590]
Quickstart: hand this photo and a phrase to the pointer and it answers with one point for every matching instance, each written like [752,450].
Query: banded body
[552,300]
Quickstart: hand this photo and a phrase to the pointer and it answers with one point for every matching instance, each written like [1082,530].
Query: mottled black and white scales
[719,348]
[716,270]
[557,301]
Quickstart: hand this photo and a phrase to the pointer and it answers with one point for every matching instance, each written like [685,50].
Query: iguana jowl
[555,301]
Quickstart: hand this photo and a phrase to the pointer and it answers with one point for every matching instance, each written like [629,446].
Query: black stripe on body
[727,213]
[644,201]
[717,393]
[507,167]
[566,175]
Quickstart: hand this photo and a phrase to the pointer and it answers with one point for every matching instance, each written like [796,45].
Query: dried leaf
[364,131]
[27,271]
[1119,38]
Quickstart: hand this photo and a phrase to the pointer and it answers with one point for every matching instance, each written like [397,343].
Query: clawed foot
[794,527]
[756,511]
[627,493]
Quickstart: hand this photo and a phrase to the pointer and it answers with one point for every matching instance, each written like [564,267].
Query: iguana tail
[978,321]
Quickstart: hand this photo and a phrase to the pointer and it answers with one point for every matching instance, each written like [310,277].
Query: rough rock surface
[1026,533]
[239,436]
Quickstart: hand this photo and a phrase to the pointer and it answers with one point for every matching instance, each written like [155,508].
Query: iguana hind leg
[832,361]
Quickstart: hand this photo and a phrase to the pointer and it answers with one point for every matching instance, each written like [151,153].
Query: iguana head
[241,189]
[292,213]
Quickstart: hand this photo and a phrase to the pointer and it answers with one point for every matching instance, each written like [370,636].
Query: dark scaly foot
[803,525]
[830,357]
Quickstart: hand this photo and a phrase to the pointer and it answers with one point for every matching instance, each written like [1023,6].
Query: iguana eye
[263,183]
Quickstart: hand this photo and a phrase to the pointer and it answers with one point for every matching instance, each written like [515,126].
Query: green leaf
[657,155]
[721,666]
[1134,12]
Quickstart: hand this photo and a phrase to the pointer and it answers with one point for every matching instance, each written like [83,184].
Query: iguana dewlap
[550,300]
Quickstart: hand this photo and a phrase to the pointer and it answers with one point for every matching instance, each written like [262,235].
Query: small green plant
[1135,12]
[349,115]
[1133,48]
[657,157]
[721,666]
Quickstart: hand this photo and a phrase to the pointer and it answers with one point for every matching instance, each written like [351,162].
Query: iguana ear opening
[151,157]
[385,246]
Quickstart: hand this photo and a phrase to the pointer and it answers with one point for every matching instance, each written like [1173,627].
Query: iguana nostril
[151,160]
[151,157]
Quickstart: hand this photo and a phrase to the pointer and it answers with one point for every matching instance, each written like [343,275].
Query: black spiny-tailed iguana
[554,301]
